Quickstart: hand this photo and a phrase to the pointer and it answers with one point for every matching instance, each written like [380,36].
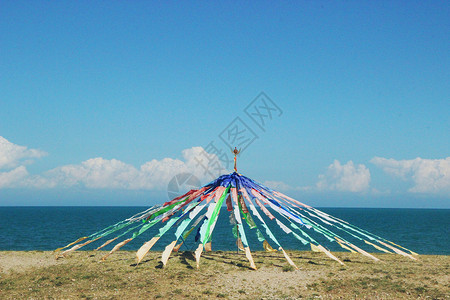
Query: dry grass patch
[37,275]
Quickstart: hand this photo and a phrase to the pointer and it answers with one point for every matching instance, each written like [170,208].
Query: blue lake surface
[425,231]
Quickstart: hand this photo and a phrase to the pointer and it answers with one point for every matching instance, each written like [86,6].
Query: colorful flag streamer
[250,205]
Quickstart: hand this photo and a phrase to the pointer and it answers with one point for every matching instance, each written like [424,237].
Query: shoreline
[222,274]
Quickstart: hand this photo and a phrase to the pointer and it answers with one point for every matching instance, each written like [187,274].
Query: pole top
[235,152]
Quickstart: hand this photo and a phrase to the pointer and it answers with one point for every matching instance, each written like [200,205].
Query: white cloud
[427,175]
[12,155]
[101,173]
[345,178]
[13,177]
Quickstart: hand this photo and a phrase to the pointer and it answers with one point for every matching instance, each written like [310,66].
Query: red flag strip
[179,197]
[229,204]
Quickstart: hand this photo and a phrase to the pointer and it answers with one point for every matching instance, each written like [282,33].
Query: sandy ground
[21,261]
[38,275]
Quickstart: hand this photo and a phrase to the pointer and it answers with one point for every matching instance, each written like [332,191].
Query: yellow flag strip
[166,253]
[267,247]
[107,243]
[145,248]
[120,235]
[198,253]
[78,246]
[248,254]
[77,241]
[398,251]
[377,247]
[208,247]
[346,247]
[358,249]
[320,248]
[412,252]
[117,247]
[239,244]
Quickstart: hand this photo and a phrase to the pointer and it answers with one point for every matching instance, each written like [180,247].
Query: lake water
[425,231]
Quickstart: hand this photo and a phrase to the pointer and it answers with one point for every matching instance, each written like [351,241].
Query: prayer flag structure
[253,208]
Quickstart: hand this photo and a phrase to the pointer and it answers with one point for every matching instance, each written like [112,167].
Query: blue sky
[103,103]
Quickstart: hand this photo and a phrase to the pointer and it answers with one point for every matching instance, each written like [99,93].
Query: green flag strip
[168,208]
[187,232]
[308,237]
[251,224]
[237,216]
[154,221]
[206,235]
[247,217]
[204,226]
[185,223]
[249,220]
[302,240]
[209,222]
[167,226]
[172,221]
[143,250]
[256,214]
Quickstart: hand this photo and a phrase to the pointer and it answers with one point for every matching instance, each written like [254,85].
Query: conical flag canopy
[254,209]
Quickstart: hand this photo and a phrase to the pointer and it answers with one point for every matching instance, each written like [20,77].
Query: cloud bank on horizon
[430,176]
[427,175]
[345,178]
[96,173]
